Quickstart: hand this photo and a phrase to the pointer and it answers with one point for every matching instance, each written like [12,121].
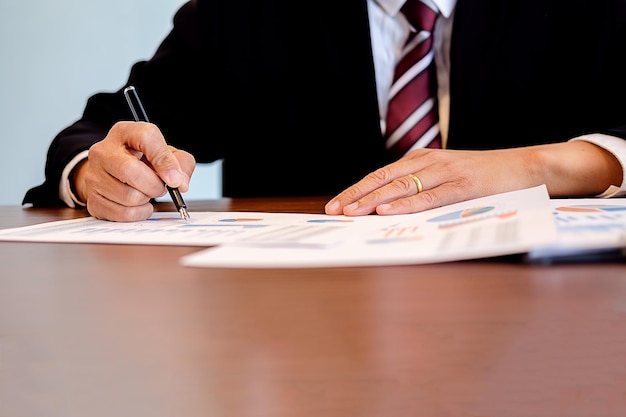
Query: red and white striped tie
[412,120]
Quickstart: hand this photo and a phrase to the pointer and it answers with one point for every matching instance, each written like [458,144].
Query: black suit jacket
[287,97]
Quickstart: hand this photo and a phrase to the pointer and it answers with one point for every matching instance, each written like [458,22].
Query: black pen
[140,116]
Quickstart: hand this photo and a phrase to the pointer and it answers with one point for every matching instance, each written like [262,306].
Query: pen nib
[184,214]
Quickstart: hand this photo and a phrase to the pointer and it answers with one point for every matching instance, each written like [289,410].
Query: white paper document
[203,229]
[501,224]
[587,228]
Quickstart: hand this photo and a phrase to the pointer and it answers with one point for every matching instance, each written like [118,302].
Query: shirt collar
[392,7]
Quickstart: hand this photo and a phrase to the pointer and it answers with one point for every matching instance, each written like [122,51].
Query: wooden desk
[104,330]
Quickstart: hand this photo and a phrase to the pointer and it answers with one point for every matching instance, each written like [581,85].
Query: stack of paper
[518,222]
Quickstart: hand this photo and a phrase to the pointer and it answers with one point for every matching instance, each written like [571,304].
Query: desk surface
[113,330]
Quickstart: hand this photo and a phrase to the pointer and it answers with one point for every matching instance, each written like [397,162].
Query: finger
[103,188]
[149,140]
[101,207]
[188,165]
[400,188]
[370,185]
[437,197]
[186,161]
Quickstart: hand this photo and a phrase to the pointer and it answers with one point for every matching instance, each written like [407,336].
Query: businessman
[294,99]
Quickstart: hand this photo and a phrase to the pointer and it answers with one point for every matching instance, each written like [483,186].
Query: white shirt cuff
[65,190]
[617,147]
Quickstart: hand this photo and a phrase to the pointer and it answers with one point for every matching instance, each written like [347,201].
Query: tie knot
[419,15]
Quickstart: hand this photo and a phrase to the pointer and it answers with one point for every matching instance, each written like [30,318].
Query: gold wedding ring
[417,182]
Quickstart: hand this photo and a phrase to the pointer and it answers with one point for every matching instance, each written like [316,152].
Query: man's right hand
[127,169]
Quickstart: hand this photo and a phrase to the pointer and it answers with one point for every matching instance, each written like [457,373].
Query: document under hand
[502,224]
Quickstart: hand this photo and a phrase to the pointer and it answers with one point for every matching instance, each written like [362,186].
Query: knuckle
[95,207]
[428,199]
[403,185]
[376,195]
[380,176]
[96,151]
[134,197]
[146,131]
[124,173]
[161,159]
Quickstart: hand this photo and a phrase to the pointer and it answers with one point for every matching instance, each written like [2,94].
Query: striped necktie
[412,120]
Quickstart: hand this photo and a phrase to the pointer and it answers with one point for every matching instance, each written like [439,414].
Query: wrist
[77,183]
[576,168]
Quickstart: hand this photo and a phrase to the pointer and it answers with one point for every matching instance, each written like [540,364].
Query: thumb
[160,156]
[167,168]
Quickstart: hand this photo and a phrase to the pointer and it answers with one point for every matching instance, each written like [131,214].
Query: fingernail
[352,206]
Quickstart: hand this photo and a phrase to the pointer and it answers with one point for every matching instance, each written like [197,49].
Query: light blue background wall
[53,55]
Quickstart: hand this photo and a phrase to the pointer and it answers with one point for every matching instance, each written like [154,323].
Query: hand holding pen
[126,170]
